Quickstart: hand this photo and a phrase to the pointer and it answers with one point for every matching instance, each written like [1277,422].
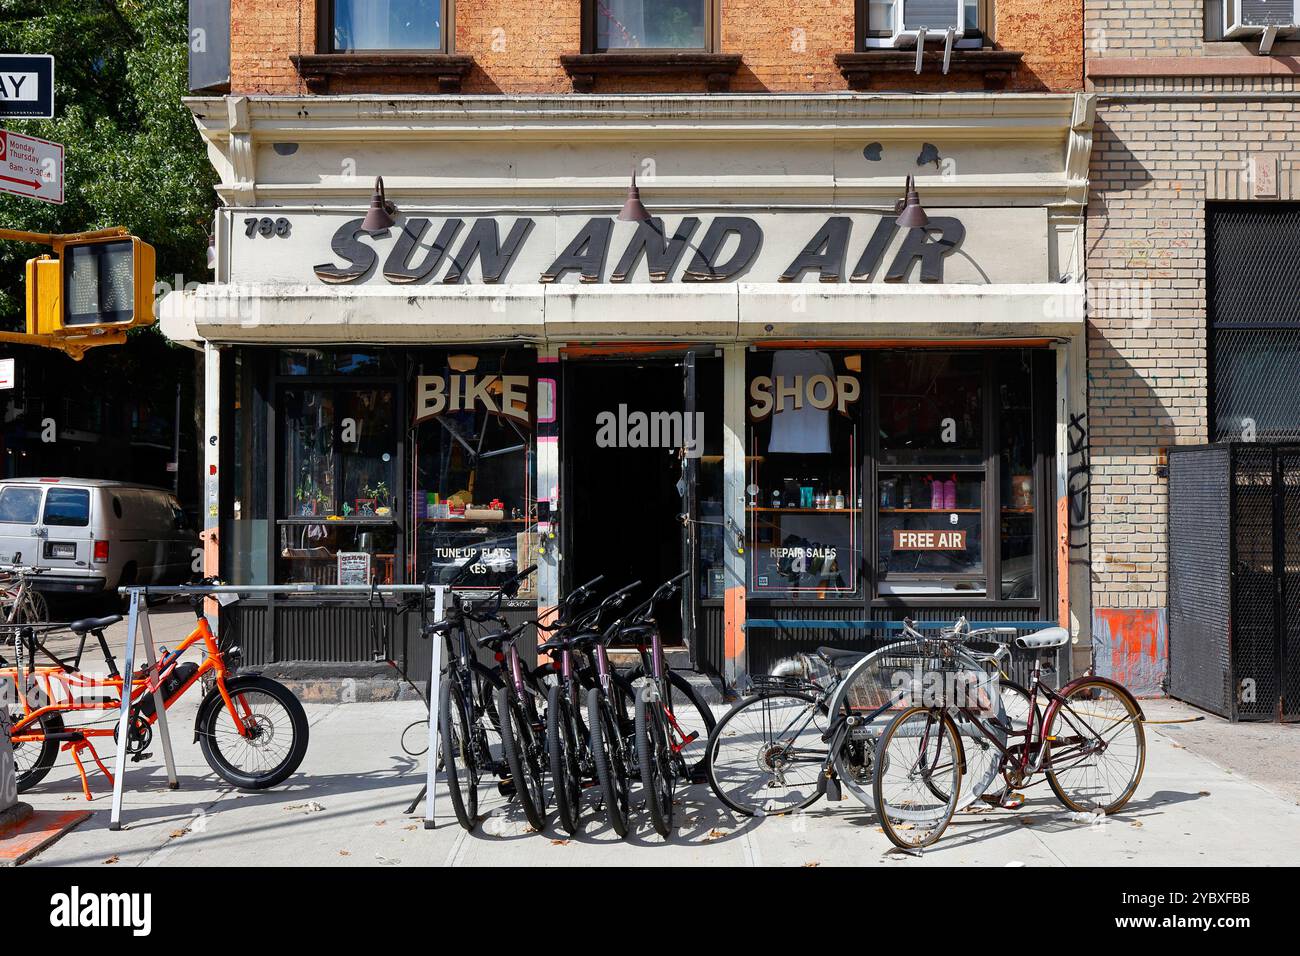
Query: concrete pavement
[345,808]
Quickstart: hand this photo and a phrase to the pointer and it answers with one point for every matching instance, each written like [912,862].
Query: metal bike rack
[138,621]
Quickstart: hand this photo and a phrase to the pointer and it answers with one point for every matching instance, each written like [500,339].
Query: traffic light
[95,287]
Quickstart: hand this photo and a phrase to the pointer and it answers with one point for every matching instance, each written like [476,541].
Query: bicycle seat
[93,623]
[1045,639]
[837,657]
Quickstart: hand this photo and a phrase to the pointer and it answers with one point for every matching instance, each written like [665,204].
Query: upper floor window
[885,18]
[367,25]
[614,25]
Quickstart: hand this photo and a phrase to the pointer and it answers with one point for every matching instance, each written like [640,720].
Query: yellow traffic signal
[95,287]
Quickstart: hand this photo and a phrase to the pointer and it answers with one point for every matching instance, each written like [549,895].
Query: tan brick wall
[1147,28]
[1154,166]
[787,45]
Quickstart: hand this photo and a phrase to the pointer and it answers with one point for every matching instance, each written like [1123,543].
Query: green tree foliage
[133,157]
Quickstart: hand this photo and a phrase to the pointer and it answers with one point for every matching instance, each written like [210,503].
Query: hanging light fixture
[910,213]
[379,218]
[633,210]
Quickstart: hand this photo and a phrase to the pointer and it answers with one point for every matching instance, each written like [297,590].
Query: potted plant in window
[379,493]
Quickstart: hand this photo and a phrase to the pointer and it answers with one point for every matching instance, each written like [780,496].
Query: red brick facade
[786,46]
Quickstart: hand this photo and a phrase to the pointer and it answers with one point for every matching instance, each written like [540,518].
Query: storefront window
[930,474]
[322,362]
[804,501]
[341,450]
[473,466]
[931,409]
[1014,375]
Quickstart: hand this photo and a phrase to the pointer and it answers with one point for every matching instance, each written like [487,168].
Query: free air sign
[929,540]
[31,167]
[27,86]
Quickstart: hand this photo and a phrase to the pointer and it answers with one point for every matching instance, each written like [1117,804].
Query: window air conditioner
[1245,18]
[917,22]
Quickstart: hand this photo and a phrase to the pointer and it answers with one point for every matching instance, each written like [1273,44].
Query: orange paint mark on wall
[1063,563]
[1132,647]
[734,632]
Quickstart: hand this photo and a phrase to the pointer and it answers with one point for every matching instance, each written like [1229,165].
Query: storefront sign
[791,392]
[500,394]
[770,247]
[354,567]
[929,540]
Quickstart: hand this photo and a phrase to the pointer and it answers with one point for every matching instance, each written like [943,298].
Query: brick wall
[787,45]
[1154,166]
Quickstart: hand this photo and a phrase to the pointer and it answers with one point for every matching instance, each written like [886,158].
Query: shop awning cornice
[275,150]
[975,115]
[561,314]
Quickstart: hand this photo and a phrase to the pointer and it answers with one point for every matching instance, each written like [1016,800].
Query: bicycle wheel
[564,756]
[918,782]
[609,754]
[1096,747]
[766,754]
[273,740]
[33,759]
[458,752]
[698,716]
[519,746]
[654,758]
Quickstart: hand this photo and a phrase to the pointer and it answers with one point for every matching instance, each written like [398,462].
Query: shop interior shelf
[464,520]
[805,511]
[929,511]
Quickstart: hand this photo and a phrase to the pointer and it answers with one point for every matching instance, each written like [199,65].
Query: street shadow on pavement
[697,819]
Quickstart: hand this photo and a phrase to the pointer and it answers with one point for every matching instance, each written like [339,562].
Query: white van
[94,536]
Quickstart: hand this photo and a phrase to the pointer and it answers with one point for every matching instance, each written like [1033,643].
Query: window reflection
[473,464]
[650,24]
[803,500]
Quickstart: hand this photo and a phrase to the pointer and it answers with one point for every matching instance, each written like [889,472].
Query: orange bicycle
[253,730]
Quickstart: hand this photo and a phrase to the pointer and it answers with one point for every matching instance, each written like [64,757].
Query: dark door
[623,475]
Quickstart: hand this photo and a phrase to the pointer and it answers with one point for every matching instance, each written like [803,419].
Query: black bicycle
[659,736]
[467,693]
[578,651]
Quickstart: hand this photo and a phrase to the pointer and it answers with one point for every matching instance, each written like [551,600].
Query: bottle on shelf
[907,493]
[839,500]
[950,493]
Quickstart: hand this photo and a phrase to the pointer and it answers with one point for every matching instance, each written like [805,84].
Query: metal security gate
[1234,579]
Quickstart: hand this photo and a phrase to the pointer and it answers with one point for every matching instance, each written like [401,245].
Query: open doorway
[622,430]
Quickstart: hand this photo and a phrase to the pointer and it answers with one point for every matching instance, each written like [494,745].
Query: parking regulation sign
[31,167]
[26,86]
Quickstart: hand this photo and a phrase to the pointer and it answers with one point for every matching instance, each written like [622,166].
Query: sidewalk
[1203,800]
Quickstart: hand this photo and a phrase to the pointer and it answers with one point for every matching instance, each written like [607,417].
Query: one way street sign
[26,86]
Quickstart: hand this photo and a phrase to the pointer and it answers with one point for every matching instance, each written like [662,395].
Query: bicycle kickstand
[76,746]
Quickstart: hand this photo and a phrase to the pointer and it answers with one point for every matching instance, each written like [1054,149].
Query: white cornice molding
[236,126]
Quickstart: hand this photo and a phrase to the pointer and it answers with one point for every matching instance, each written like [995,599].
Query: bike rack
[138,622]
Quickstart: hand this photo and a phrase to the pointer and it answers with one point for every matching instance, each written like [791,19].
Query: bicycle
[20,603]
[659,735]
[467,690]
[252,730]
[1089,745]
[573,649]
[812,728]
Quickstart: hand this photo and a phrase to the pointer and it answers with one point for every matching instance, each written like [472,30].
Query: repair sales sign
[26,86]
[31,167]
